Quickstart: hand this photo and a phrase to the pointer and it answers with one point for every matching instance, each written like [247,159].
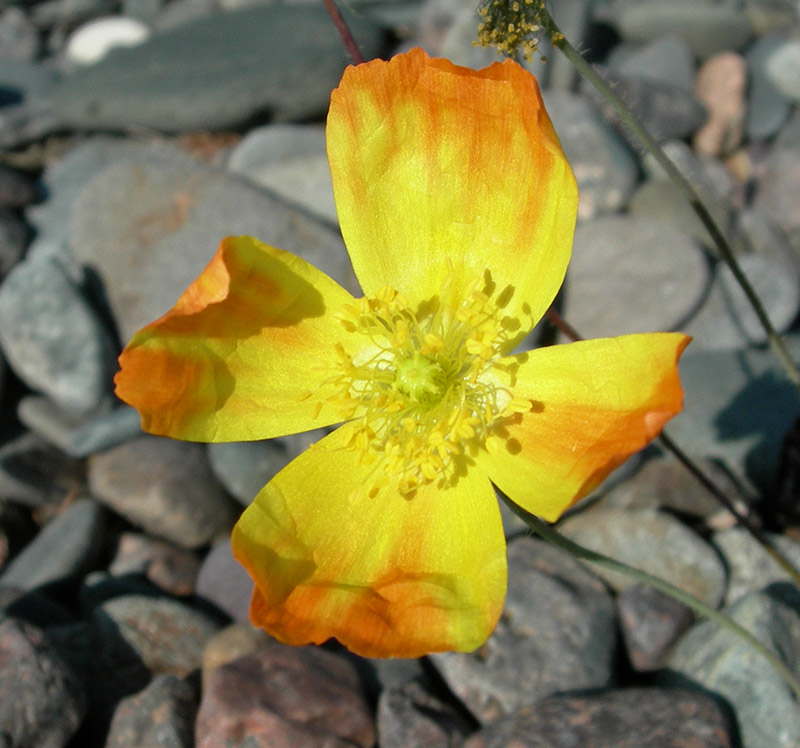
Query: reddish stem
[344,31]
[555,319]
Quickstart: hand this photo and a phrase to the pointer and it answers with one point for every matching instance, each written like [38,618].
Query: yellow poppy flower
[457,206]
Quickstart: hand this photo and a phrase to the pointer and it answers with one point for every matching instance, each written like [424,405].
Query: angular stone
[651,623]
[630,274]
[666,59]
[65,548]
[285,61]
[36,474]
[167,566]
[411,715]
[168,636]
[165,487]
[223,581]
[41,700]
[557,633]
[654,542]
[53,338]
[750,567]
[148,230]
[628,718]
[230,644]
[279,697]
[714,660]
[161,715]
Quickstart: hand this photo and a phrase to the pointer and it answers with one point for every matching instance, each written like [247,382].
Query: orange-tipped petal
[593,404]
[241,352]
[432,163]
[387,576]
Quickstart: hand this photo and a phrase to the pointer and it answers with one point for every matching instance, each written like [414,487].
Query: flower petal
[594,404]
[434,163]
[241,351]
[387,576]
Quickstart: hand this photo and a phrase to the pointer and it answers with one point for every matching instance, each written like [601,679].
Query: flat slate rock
[626,718]
[557,633]
[66,547]
[149,229]
[217,72]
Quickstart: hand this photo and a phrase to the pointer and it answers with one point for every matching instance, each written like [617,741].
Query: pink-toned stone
[281,697]
[721,85]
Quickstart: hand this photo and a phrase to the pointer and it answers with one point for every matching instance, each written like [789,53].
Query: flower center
[420,379]
[422,388]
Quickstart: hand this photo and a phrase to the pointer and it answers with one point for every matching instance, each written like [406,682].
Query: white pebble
[93,40]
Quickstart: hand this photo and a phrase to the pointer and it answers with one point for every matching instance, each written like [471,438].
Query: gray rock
[750,567]
[64,549]
[144,10]
[166,566]
[285,61]
[664,201]
[665,483]
[630,274]
[767,108]
[629,718]
[737,407]
[708,27]
[666,59]
[53,338]
[64,179]
[652,541]
[291,162]
[727,321]
[223,581]
[229,644]
[651,623]
[41,701]
[148,230]
[244,468]
[17,189]
[18,36]
[783,69]
[165,487]
[666,111]
[27,93]
[789,135]
[78,437]
[557,633]
[168,636]
[161,715]
[778,186]
[13,240]
[285,696]
[605,168]
[410,715]
[36,474]
[712,659]
[68,12]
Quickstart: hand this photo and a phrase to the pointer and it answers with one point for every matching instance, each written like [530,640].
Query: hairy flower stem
[550,534]
[666,441]
[344,31]
[638,130]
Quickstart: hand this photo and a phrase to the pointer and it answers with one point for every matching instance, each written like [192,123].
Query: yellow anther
[518,405]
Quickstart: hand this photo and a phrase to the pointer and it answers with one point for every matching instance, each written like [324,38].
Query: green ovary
[420,379]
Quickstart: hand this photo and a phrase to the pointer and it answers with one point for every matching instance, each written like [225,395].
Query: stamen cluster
[416,386]
[510,26]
